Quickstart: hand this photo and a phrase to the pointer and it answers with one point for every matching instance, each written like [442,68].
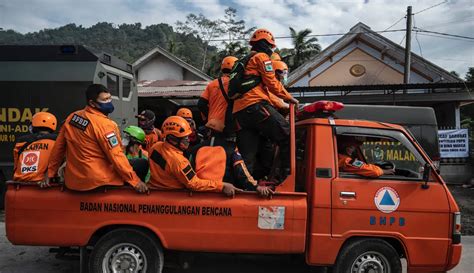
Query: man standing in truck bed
[92,146]
[253,112]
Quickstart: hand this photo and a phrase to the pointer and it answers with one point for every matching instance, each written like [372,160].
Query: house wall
[371,54]
[189,76]
[160,68]
[376,72]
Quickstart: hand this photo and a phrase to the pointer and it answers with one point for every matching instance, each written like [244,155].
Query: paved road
[28,259]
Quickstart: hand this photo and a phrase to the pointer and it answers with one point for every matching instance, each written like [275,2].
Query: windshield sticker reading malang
[154,209]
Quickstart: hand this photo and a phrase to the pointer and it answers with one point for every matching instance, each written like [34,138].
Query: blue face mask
[105,107]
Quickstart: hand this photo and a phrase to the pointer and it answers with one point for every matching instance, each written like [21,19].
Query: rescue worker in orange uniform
[187,114]
[347,146]
[171,170]
[216,109]
[281,73]
[266,149]
[253,112]
[91,143]
[214,102]
[31,152]
[146,121]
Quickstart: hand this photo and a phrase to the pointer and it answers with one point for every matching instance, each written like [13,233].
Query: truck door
[392,205]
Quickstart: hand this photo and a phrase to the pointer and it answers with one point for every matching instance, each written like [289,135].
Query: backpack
[240,83]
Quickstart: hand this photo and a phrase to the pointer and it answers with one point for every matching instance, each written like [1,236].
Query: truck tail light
[457,228]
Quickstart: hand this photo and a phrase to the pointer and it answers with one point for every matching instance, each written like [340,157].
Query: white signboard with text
[454,143]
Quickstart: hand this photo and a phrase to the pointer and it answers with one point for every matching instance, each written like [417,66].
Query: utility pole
[406,75]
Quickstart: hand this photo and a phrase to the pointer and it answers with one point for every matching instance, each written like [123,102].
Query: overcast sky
[322,17]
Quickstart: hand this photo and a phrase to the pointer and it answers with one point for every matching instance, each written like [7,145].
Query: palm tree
[303,49]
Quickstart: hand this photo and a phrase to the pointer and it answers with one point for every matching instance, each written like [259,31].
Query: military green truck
[53,78]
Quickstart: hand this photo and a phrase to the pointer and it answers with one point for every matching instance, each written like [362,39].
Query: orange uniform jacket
[347,164]
[92,145]
[31,165]
[152,138]
[171,170]
[217,103]
[261,65]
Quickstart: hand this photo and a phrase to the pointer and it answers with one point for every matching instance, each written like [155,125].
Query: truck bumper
[455,257]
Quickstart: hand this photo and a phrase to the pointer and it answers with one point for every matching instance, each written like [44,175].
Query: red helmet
[176,126]
[263,34]
[44,119]
[228,62]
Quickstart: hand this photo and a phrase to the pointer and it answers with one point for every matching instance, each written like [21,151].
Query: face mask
[146,124]
[105,107]
[283,76]
[125,140]
[184,143]
[284,81]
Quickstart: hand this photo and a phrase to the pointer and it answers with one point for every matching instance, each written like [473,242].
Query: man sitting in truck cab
[171,170]
[91,143]
[31,152]
[349,159]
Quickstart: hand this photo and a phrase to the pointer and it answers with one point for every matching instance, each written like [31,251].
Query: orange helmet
[275,57]
[262,34]
[185,113]
[44,119]
[228,62]
[176,126]
[279,65]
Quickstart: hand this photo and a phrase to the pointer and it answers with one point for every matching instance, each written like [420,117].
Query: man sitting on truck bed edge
[31,152]
[92,146]
[171,170]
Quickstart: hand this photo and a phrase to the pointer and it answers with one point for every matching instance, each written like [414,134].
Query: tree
[203,28]
[233,28]
[303,48]
[470,74]
[454,73]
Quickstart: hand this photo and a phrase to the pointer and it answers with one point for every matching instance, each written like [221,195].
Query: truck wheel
[126,250]
[368,255]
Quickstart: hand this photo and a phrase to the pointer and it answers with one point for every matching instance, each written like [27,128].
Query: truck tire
[368,255]
[126,250]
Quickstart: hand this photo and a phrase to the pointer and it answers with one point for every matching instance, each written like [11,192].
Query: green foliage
[230,32]
[126,41]
[470,75]
[304,48]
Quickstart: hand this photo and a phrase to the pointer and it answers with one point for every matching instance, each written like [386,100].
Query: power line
[416,37]
[316,35]
[423,10]
[444,37]
[463,20]
[442,34]
[395,23]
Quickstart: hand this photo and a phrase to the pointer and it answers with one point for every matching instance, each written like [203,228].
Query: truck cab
[333,218]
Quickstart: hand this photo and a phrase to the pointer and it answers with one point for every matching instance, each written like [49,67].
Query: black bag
[240,83]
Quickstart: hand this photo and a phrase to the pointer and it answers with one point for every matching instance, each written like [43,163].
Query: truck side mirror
[426,176]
